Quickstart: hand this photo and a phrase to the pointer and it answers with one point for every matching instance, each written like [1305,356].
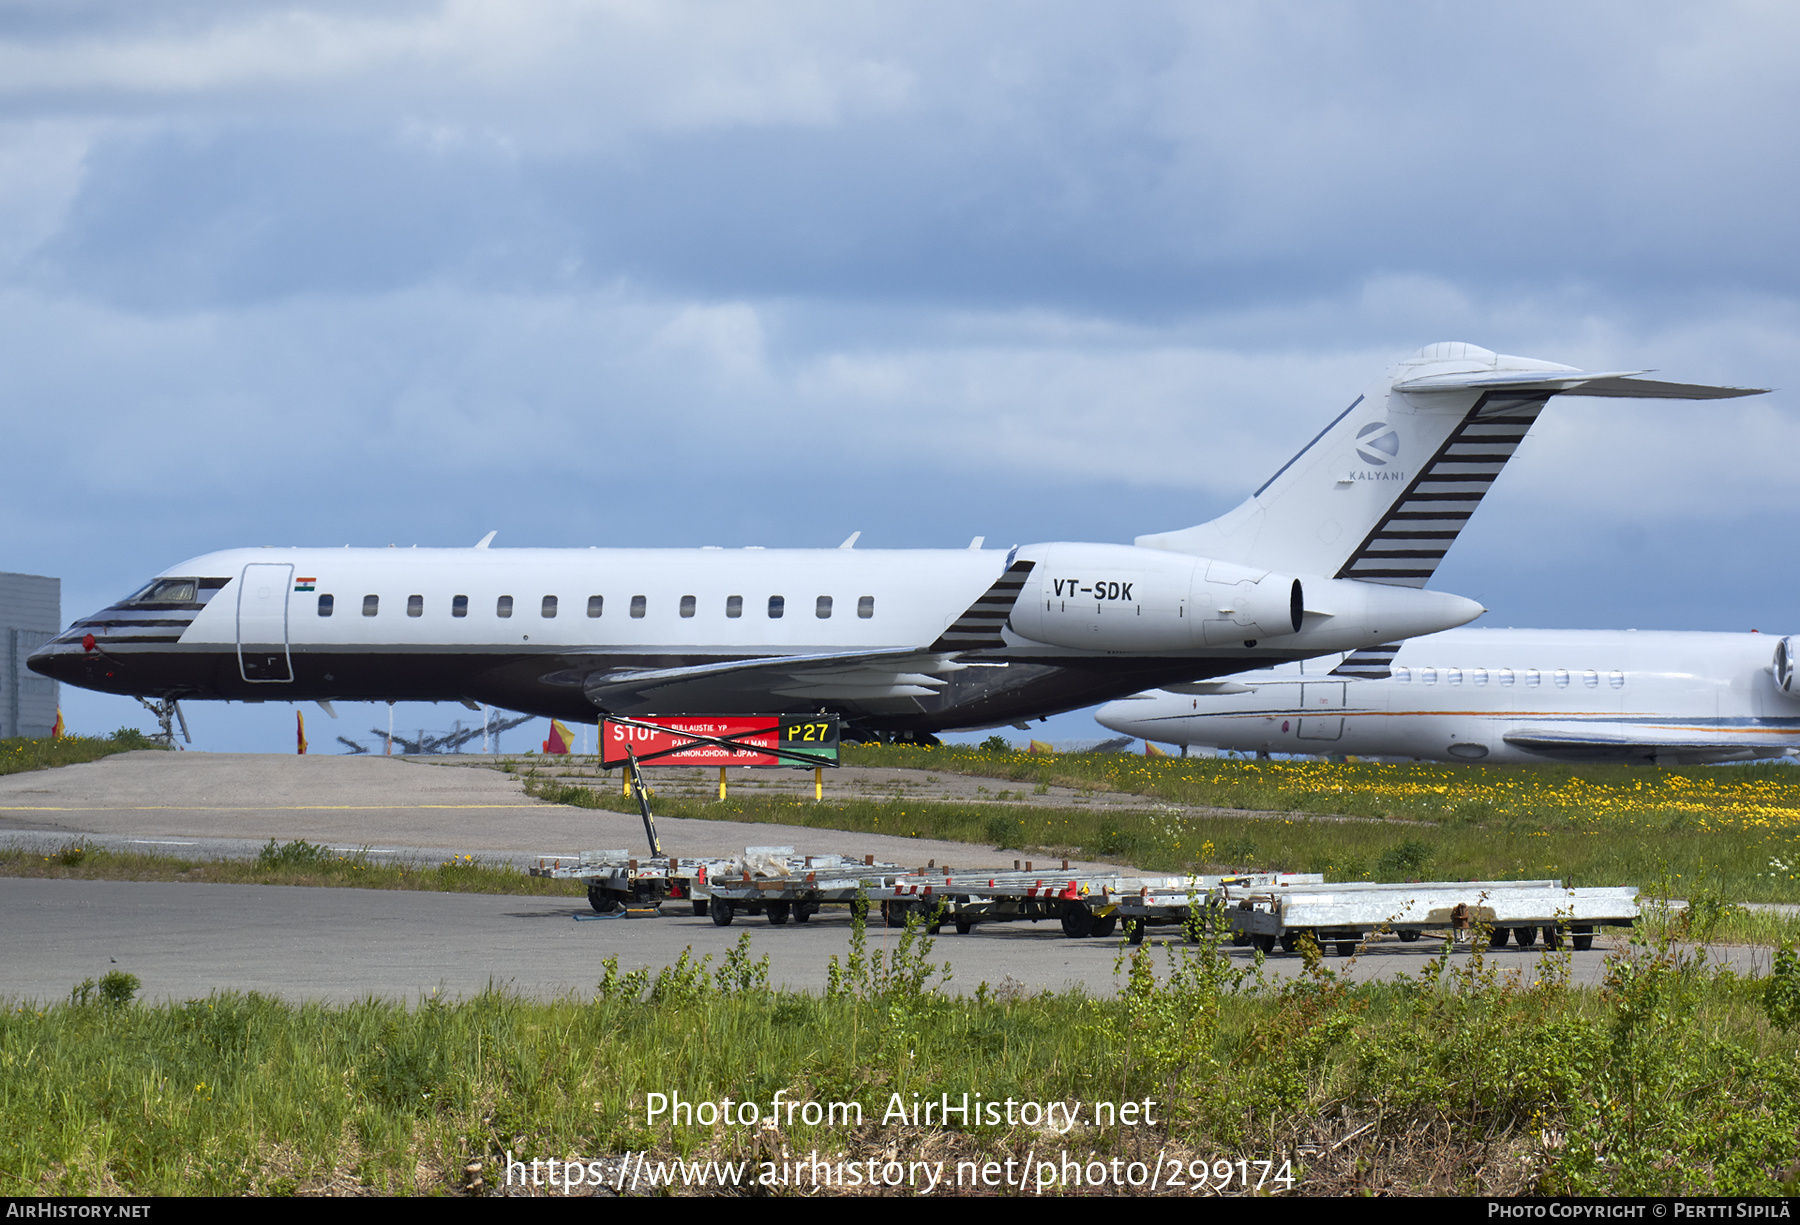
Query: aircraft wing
[846,676]
[1622,383]
[859,677]
[1624,740]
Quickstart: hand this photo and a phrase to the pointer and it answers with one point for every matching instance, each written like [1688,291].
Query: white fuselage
[1500,695]
[549,630]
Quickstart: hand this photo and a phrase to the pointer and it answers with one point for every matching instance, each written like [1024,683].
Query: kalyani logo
[1376,444]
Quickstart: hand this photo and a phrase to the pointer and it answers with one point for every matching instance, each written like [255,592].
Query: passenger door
[262,629]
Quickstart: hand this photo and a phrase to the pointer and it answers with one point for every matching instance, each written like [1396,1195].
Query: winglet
[978,629]
[487,539]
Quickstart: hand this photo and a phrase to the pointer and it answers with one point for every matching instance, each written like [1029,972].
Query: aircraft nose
[73,657]
[1118,717]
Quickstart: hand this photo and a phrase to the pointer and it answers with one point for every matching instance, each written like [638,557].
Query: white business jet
[1331,554]
[1501,695]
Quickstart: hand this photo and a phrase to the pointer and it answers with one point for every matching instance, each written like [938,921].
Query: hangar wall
[30,615]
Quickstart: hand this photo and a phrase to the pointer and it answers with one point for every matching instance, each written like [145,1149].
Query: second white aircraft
[1501,695]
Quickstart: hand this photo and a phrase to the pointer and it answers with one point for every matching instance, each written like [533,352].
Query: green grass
[292,863]
[1672,1080]
[21,754]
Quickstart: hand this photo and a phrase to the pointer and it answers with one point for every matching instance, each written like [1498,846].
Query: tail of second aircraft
[1383,491]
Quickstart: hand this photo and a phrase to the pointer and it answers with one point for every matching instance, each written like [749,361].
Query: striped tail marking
[1405,547]
[978,629]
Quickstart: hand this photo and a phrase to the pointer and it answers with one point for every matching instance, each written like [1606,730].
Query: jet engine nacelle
[1787,667]
[1103,597]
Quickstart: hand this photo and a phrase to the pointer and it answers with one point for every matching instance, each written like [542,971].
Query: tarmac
[188,940]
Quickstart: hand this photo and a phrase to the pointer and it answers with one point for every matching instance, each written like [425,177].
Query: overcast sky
[741,273]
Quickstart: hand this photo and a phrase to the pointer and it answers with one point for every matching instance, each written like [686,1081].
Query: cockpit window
[168,591]
[190,593]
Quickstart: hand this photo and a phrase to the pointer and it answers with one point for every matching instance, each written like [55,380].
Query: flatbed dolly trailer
[618,880]
[781,886]
[1345,915]
[1084,903]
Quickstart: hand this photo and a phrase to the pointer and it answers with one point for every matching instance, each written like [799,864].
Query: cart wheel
[1409,936]
[1104,925]
[721,912]
[1289,941]
[1077,921]
[778,913]
[700,908]
[1134,931]
[1240,938]
[1553,937]
[931,917]
[804,911]
[893,912]
[964,926]
[1346,948]
[1497,937]
[1265,944]
[1524,937]
[602,901]
[1583,939]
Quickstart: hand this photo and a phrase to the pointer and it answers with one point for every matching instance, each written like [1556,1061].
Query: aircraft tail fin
[1369,664]
[1384,490]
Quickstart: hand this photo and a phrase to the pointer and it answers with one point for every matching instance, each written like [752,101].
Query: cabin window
[1428,676]
[687,605]
[503,606]
[1532,678]
[1506,676]
[549,607]
[459,606]
[595,604]
[822,609]
[1591,679]
[415,606]
[1562,678]
[865,607]
[371,605]
[325,605]
[734,606]
[1453,676]
[637,605]
[1478,676]
[777,606]
[1403,675]
[1617,678]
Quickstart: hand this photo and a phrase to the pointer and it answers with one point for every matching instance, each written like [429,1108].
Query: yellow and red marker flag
[561,738]
[299,731]
[57,730]
[1150,750]
[1038,746]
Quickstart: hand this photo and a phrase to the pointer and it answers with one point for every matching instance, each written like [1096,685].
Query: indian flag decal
[304,584]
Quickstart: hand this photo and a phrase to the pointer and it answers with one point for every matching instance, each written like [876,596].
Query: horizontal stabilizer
[1620,383]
